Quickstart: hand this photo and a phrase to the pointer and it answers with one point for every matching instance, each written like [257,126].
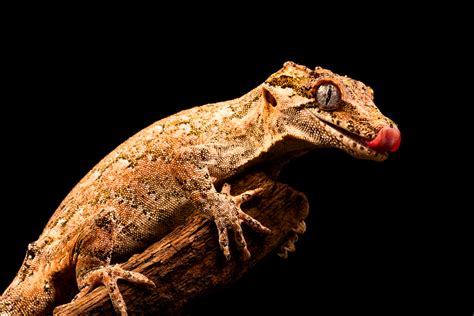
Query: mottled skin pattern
[153,181]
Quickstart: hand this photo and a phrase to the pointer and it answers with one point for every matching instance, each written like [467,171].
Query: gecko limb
[93,266]
[227,214]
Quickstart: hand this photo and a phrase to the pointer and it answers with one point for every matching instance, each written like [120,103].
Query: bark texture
[188,262]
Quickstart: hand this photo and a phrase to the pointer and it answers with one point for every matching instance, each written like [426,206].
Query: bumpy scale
[152,182]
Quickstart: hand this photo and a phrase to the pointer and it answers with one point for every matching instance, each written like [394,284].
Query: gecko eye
[328,97]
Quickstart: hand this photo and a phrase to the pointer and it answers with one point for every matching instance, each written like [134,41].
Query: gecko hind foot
[108,276]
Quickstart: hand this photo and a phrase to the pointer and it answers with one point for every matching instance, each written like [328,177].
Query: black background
[75,90]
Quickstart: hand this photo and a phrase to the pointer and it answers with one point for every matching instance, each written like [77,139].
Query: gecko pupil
[328,97]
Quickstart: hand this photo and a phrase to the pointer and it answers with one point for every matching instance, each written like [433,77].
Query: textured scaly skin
[152,182]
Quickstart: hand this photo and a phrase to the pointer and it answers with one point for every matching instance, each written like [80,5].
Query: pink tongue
[388,139]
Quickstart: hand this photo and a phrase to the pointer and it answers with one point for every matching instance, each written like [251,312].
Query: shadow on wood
[188,262]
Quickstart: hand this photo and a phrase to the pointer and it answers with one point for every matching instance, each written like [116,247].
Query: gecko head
[324,109]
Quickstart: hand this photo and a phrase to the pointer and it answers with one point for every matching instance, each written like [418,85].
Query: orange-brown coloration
[152,182]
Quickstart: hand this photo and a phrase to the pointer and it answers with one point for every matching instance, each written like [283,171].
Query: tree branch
[188,262]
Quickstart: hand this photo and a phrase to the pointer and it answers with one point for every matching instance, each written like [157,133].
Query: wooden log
[188,262]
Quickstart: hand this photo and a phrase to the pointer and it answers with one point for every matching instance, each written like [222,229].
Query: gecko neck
[258,135]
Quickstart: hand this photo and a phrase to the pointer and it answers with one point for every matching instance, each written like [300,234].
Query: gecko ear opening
[268,97]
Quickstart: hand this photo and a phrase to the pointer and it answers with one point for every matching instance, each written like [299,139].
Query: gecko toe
[115,296]
[137,278]
[240,241]
[223,240]
[245,196]
[253,223]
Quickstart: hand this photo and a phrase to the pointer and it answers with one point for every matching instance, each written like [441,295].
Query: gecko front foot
[108,276]
[225,210]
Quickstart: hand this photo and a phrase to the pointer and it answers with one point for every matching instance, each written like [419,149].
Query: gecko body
[156,179]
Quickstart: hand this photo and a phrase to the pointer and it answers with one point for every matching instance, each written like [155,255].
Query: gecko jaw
[354,144]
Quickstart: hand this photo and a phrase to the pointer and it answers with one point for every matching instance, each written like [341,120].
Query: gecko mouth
[386,140]
[355,138]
